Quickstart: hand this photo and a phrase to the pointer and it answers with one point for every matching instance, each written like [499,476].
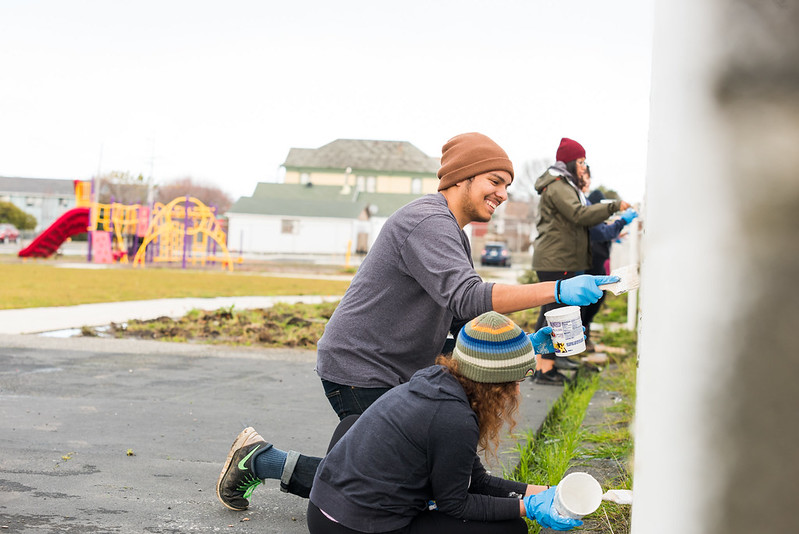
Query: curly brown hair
[494,405]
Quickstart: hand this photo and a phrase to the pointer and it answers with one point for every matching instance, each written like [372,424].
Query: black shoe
[238,479]
[550,378]
[565,364]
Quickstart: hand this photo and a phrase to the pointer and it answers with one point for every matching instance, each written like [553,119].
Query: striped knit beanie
[492,348]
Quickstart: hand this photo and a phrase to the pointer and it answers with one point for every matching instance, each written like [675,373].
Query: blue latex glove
[583,290]
[540,508]
[628,215]
[542,341]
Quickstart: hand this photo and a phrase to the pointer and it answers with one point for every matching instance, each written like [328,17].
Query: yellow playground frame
[184,230]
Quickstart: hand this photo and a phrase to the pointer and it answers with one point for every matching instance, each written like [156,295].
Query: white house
[306,219]
[44,198]
[334,199]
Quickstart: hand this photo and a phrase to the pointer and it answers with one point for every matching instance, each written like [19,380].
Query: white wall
[716,439]
[316,235]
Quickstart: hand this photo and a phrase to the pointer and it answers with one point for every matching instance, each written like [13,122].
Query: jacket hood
[553,173]
[437,383]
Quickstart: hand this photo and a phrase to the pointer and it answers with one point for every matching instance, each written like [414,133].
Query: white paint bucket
[567,330]
[578,494]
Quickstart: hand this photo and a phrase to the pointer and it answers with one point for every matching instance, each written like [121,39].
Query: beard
[476,213]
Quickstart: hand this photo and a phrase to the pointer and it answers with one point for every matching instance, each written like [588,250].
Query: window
[360,184]
[289,226]
[305,178]
[371,182]
[416,186]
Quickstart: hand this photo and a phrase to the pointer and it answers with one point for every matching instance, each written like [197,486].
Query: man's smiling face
[483,194]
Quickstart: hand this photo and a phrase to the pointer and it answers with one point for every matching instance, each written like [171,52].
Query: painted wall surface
[715,434]
[383,184]
[317,178]
[314,235]
[403,185]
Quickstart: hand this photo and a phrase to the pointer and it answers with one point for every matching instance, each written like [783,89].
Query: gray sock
[269,463]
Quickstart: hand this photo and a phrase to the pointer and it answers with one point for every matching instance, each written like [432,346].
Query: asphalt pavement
[115,435]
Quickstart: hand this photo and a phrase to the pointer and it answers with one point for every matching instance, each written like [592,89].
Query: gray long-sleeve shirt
[394,318]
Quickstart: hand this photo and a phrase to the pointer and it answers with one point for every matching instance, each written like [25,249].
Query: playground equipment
[184,230]
[46,244]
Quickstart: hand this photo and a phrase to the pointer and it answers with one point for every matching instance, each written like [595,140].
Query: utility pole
[150,179]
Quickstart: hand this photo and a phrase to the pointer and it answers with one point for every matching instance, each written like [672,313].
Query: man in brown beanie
[417,281]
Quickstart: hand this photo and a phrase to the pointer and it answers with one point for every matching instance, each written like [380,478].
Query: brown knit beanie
[468,155]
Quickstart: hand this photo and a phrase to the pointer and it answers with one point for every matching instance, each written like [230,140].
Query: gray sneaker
[565,364]
[550,378]
[238,480]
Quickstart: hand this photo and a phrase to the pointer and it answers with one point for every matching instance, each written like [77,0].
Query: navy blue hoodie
[416,443]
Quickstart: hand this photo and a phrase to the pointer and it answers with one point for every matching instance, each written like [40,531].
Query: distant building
[309,219]
[332,198]
[512,223]
[46,199]
[364,165]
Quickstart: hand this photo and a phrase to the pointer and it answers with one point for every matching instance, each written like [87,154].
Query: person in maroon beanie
[562,249]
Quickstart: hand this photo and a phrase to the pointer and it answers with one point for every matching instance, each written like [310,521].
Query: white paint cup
[567,330]
[577,494]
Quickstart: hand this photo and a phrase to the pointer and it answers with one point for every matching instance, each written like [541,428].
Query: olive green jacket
[563,222]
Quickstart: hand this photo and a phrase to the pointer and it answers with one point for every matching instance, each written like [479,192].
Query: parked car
[8,232]
[495,254]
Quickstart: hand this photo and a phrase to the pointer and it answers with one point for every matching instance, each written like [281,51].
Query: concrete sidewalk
[35,320]
[72,408]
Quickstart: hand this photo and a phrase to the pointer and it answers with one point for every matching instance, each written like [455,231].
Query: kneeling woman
[409,464]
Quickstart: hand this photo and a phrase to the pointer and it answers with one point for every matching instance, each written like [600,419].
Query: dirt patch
[283,325]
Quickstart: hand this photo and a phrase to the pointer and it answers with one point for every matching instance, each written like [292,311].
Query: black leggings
[424,523]
[429,522]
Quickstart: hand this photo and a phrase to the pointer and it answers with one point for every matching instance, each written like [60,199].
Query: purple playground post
[185,228]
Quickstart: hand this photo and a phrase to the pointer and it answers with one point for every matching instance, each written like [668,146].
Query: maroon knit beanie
[468,155]
[569,150]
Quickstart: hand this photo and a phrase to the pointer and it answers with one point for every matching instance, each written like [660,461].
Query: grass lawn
[563,441]
[33,285]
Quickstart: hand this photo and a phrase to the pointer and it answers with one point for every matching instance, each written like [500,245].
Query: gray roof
[364,155]
[295,200]
[37,185]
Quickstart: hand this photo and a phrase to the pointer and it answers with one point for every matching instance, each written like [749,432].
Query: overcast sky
[220,91]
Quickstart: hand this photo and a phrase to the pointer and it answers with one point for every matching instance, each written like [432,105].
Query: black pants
[587,313]
[350,400]
[428,522]
[551,276]
[346,401]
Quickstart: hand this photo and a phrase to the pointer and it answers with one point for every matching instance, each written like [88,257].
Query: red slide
[70,223]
